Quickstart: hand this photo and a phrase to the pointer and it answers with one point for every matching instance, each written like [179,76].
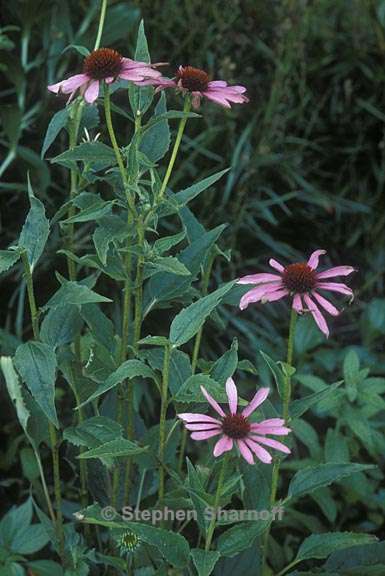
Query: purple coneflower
[236,428]
[302,282]
[108,65]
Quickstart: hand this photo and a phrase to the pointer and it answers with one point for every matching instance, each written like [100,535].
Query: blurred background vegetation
[307,154]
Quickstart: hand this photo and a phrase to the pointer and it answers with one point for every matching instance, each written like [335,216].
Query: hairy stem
[51,427]
[182,125]
[162,422]
[285,410]
[218,494]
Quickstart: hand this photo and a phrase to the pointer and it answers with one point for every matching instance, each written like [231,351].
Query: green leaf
[185,196]
[164,244]
[226,365]
[309,479]
[114,449]
[45,568]
[60,325]
[30,539]
[36,363]
[204,561]
[156,140]
[57,123]
[110,230]
[76,294]
[7,259]
[299,407]
[154,341]
[140,96]
[100,325]
[35,231]
[166,264]
[91,213]
[190,390]
[276,371]
[187,323]
[93,432]
[240,537]
[322,545]
[129,369]
[88,152]
[359,560]
[29,464]
[165,286]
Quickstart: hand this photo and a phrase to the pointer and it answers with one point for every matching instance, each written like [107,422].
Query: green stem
[52,430]
[101,24]
[182,124]
[288,567]
[197,343]
[286,396]
[162,422]
[218,494]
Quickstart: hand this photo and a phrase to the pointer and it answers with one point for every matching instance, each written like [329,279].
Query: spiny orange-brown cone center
[192,79]
[299,278]
[103,63]
[235,426]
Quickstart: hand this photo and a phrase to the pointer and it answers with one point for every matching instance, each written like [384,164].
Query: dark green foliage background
[308,159]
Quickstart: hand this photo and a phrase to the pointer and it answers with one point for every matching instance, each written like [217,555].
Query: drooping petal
[259,397]
[259,293]
[200,426]
[245,451]
[262,428]
[276,295]
[276,265]
[272,443]
[92,92]
[213,402]
[328,306]
[314,258]
[337,271]
[272,422]
[259,278]
[232,395]
[217,98]
[335,287]
[205,435]
[217,84]
[297,303]
[224,444]
[194,417]
[260,452]
[319,319]
[70,85]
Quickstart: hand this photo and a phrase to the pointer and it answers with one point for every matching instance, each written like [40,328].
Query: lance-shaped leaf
[88,152]
[7,259]
[75,293]
[187,323]
[114,449]
[57,123]
[322,545]
[141,96]
[156,141]
[35,231]
[204,560]
[36,363]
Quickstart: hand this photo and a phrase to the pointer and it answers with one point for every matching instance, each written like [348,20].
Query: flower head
[196,82]
[108,65]
[302,282]
[234,427]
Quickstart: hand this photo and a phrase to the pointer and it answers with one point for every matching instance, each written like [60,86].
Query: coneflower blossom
[302,283]
[198,84]
[108,65]
[236,428]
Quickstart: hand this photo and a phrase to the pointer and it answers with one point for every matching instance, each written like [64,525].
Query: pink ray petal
[69,85]
[276,265]
[259,293]
[260,452]
[205,435]
[313,260]
[194,417]
[337,271]
[272,443]
[217,84]
[328,306]
[200,426]
[224,444]
[257,400]
[261,428]
[319,319]
[245,451]
[232,395]
[92,92]
[335,287]
[213,402]
[274,296]
[272,422]
[297,303]
[214,97]
[259,279]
